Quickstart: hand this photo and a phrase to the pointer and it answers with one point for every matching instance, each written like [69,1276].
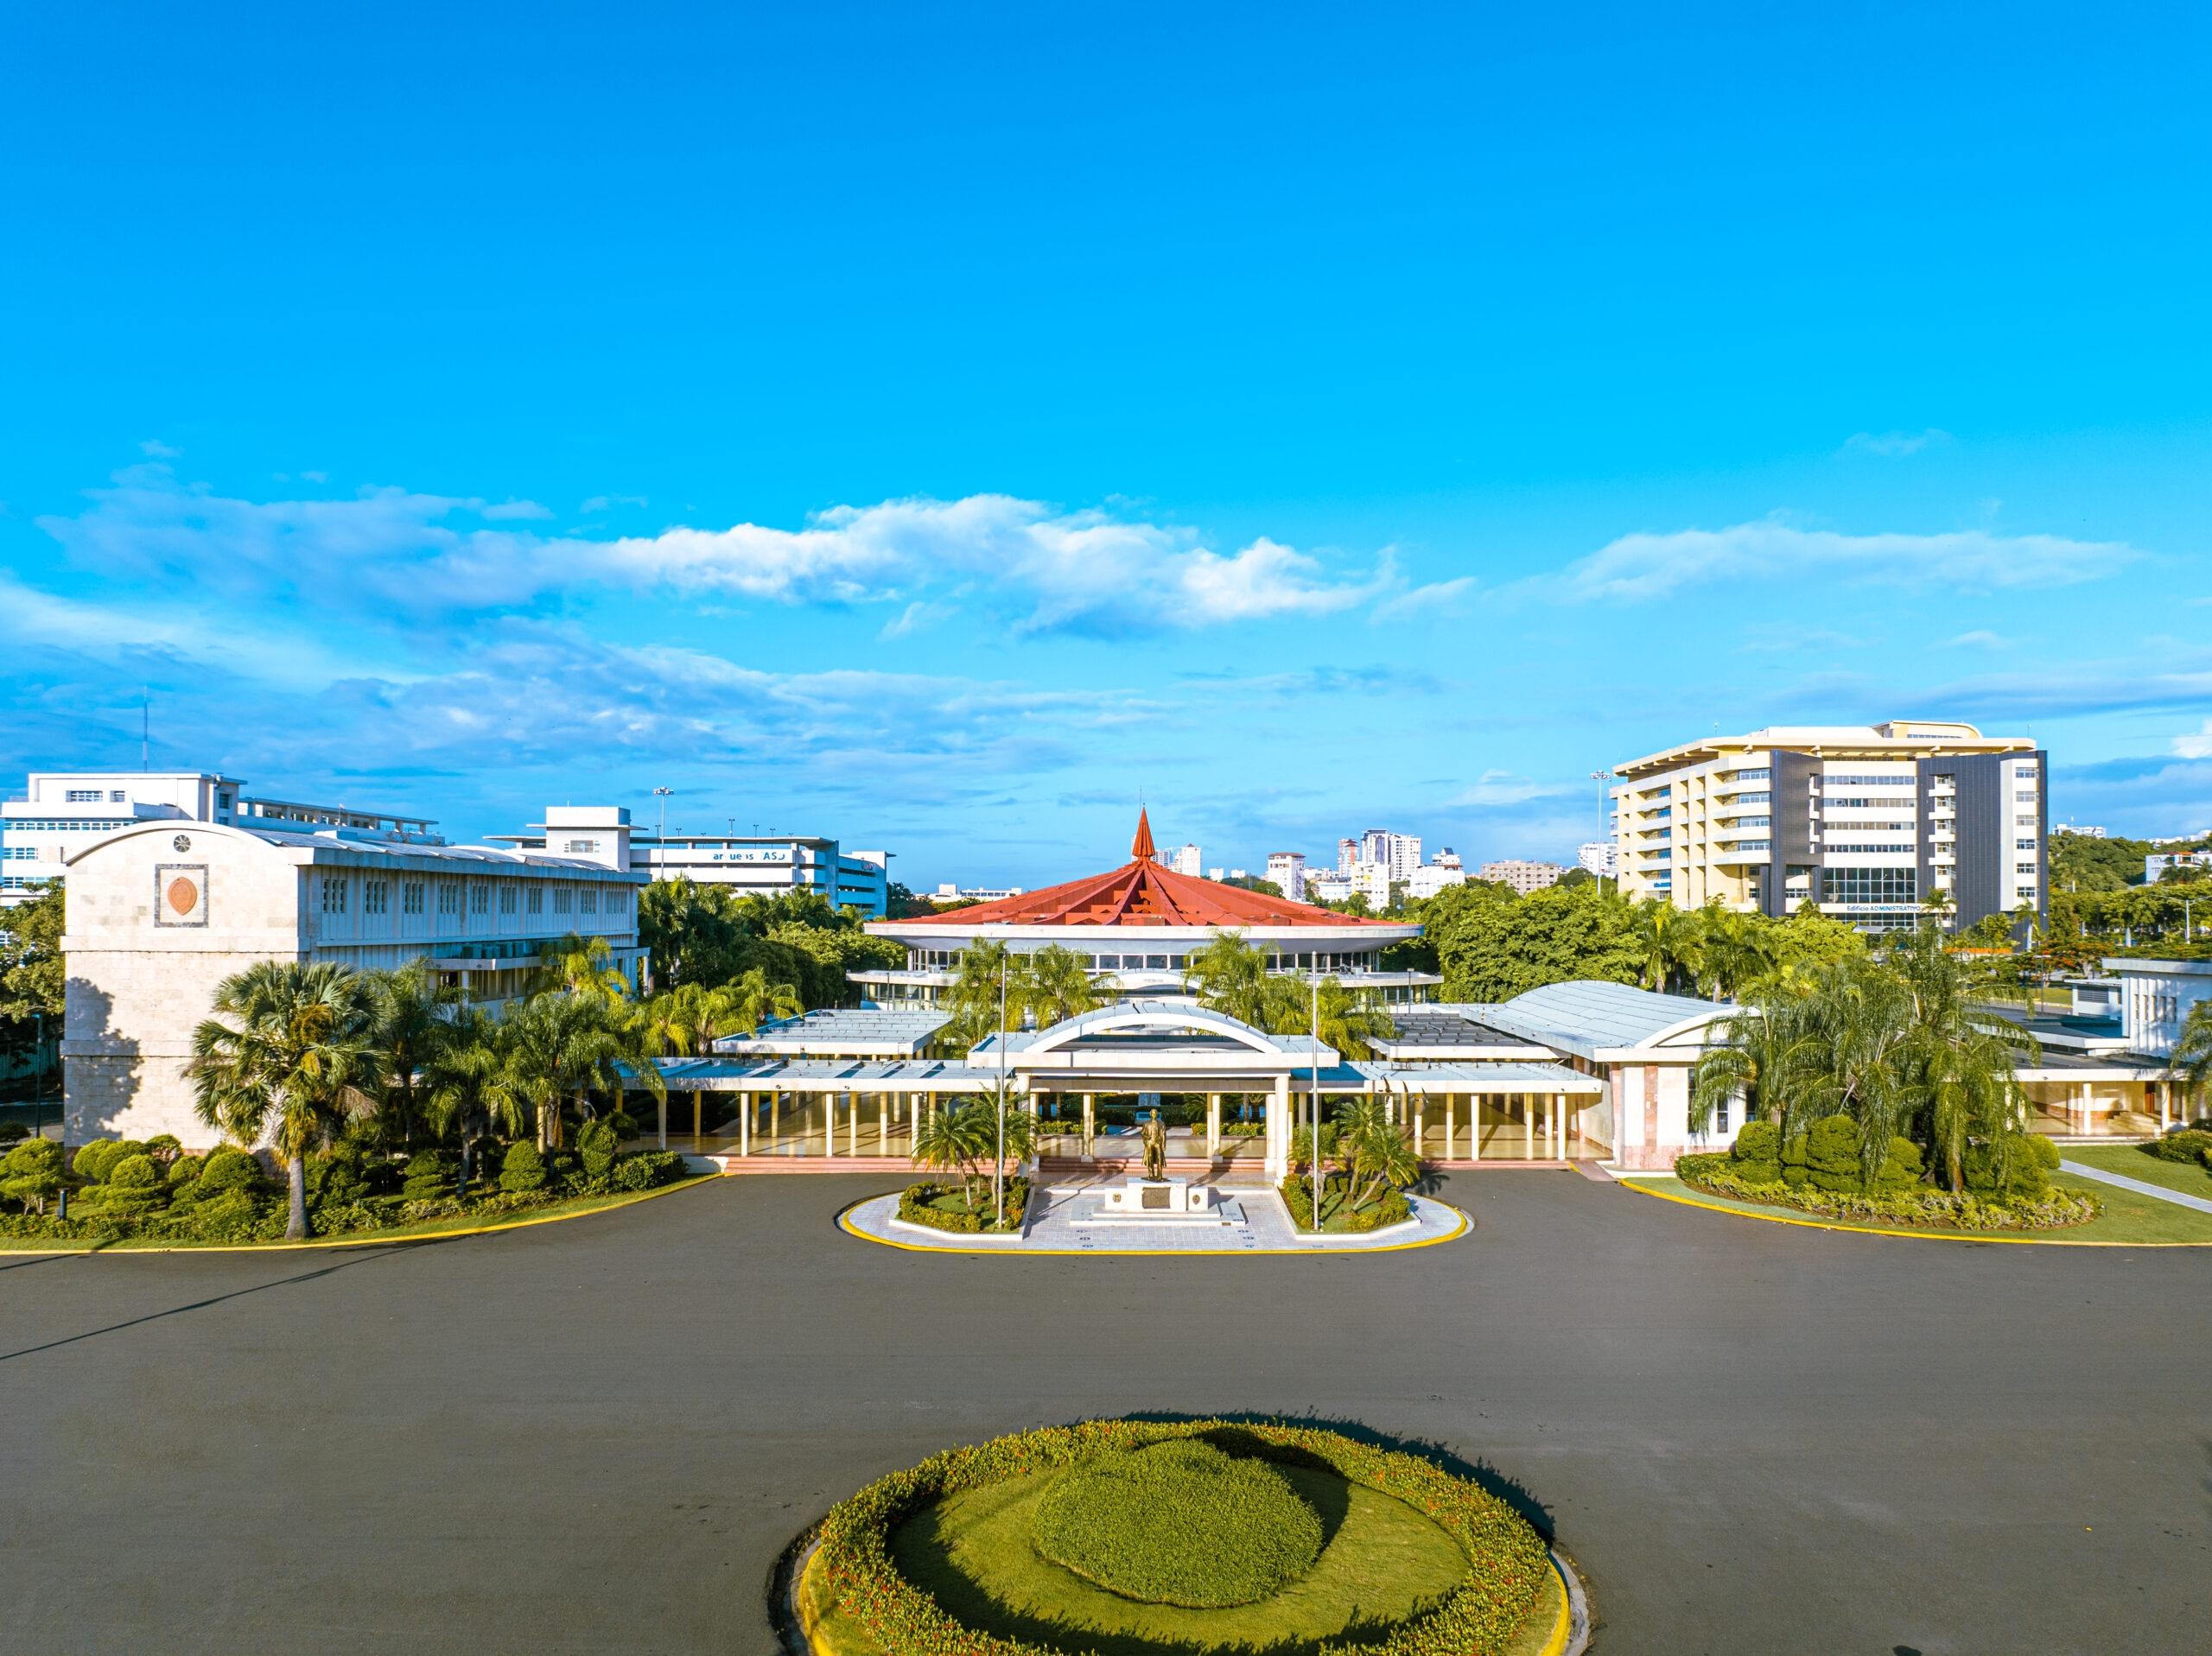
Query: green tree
[1491,945]
[1375,1148]
[460,1084]
[583,966]
[31,1172]
[558,1047]
[1057,985]
[32,973]
[412,1013]
[753,1000]
[1231,978]
[290,1052]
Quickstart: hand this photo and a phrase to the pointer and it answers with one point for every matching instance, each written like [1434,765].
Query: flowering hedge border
[1940,1209]
[914,1209]
[1507,1558]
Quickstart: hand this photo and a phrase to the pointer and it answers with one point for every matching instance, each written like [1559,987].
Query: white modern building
[160,912]
[1524,877]
[1601,857]
[755,864]
[1187,862]
[948,892]
[60,812]
[1285,871]
[1863,821]
[1432,878]
[2154,867]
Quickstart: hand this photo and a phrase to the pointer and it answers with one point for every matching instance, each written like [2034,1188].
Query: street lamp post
[662,794]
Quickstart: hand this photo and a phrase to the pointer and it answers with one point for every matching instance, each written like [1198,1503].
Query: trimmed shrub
[96,1159]
[523,1168]
[165,1147]
[596,1147]
[31,1172]
[1507,1563]
[12,1131]
[2191,1145]
[337,1177]
[1178,1523]
[185,1169]
[1758,1141]
[2012,1170]
[1967,1211]
[2046,1149]
[647,1169]
[914,1207]
[1832,1154]
[431,1174]
[134,1185]
[229,1172]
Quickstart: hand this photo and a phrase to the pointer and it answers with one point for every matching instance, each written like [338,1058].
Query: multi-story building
[1522,876]
[1434,876]
[1287,871]
[1186,861]
[757,866]
[1864,821]
[1601,857]
[1327,887]
[61,813]
[1347,854]
[1372,881]
[1400,853]
[2086,832]
[160,912]
[948,892]
[2154,867]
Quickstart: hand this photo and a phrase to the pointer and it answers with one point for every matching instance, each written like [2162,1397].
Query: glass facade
[1869,884]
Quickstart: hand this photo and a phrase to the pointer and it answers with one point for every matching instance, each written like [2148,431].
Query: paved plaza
[598,1435]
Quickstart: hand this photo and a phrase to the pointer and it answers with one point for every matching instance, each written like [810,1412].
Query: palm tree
[1668,939]
[1940,905]
[1373,1148]
[1057,985]
[460,1084]
[747,1004]
[413,1009]
[583,966]
[296,1058]
[1739,948]
[559,1046]
[1231,978]
[1349,1019]
[940,1141]
[2191,1061]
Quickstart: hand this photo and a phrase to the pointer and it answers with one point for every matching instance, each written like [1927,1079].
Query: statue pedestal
[1135,1197]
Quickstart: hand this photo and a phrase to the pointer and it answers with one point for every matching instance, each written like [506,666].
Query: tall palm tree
[1373,1148]
[1348,1020]
[1739,948]
[1668,939]
[1939,905]
[558,1047]
[460,1084]
[1057,985]
[1231,978]
[291,1053]
[582,966]
[413,1010]
[747,1004]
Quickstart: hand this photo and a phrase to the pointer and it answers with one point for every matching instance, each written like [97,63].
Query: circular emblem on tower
[182,842]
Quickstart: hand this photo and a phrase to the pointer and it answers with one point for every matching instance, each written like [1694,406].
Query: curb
[1009,1249]
[1902,1235]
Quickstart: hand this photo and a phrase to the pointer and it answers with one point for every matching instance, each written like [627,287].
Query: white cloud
[154,448]
[394,551]
[1987,639]
[2196,746]
[1438,599]
[604,502]
[1895,445]
[1503,788]
[516,509]
[1637,568]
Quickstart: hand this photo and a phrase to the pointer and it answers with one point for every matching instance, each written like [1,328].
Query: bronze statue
[1155,1147]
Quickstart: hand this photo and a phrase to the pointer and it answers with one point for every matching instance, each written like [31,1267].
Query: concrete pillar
[829,1124]
[1090,1126]
[697,1094]
[1213,1125]
[1559,1127]
[1421,1103]
[1278,1140]
[853,1127]
[1449,1100]
[744,1101]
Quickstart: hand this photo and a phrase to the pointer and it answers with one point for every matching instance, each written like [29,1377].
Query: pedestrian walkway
[2137,1185]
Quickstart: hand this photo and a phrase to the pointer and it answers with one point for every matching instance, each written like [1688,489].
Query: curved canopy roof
[1140,892]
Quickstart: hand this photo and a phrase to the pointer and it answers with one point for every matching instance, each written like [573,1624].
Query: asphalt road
[598,1435]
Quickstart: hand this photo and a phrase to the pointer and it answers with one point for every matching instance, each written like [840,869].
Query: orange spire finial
[1141,847]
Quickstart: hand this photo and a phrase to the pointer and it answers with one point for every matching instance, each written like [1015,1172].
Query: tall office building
[1287,870]
[1186,861]
[1400,853]
[1865,821]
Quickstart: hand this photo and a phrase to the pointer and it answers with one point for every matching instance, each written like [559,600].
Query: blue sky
[941,427]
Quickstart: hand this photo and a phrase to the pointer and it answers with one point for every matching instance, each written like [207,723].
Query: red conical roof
[1141,893]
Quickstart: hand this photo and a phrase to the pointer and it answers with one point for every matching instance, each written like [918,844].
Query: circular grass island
[1117,1538]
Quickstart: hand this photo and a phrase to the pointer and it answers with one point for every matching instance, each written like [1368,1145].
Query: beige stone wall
[136,989]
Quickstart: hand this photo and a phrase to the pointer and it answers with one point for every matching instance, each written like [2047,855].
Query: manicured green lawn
[2190,1178]
[2127,1217]
[365,1238]
[1381,1563]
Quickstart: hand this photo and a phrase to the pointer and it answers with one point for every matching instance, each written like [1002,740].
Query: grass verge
[2189,1179]
[460,1225]
[2128,1218]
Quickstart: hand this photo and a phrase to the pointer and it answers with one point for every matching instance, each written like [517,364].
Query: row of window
[83,825]
[1869,884]
[376,896]
[93,797]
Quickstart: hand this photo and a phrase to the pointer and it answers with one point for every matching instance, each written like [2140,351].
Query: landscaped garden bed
[965,1211]
[1117,1538]
[1341,1214]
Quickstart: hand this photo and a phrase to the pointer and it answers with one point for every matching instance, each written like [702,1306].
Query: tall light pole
[662,794]
[1601,777]
[1314,1090]
[998,1167]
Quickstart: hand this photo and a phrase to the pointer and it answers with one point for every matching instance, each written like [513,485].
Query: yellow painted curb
[1905,1235]
[845,1224]
[364,1239]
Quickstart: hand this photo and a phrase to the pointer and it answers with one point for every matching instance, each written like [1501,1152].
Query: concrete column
[1559,1127]
[697,1095]
[1278,1152]
[1090,1126]
[745,1103]
[1421,1105]
[1213,1125]
[829,1124]
[853,1127]
[1449,1100]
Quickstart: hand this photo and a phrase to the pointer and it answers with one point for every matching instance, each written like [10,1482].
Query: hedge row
[914,1208]
[1507,1558]
[246,1214]
[1298,1195]
[2053,1210]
